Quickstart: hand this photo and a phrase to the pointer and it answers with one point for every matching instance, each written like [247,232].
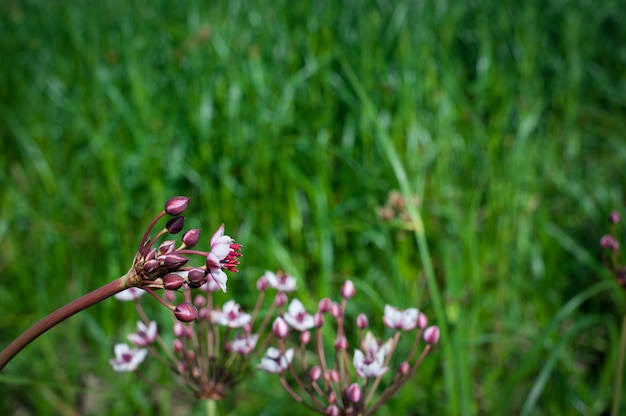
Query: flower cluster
[395,209]
[213,353]
[612,257]
[344,386]
[165,265]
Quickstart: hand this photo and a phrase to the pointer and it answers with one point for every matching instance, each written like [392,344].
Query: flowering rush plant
[347,384]
[156,265]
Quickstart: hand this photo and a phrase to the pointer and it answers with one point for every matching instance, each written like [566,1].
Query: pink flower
[275,362]
[126,358]
[231,315]
[397,319]
[132,293]
[281,282]
[224,255]
[371,347]
[145,335]
[369,365]
[298,318]
[243,345]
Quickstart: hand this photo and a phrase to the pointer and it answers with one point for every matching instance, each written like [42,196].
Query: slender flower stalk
[155,266]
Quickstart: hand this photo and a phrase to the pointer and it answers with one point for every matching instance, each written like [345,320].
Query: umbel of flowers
[212,353]
[348,383]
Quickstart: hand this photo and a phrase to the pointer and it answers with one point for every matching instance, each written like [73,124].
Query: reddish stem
[60,315]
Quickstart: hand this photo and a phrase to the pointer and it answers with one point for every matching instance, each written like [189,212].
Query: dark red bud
[197,276]
[175,225]
[172,281]
[167,247]
[176,205]
[174,261]
[186,312]
[191,237]
[151,265]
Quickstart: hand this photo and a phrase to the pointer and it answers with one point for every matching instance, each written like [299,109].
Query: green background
[291,122]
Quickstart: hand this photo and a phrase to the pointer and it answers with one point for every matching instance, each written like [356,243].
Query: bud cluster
[164,264]
[344,384]
[612,257]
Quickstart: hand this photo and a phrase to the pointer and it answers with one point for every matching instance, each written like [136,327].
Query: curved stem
[60,315]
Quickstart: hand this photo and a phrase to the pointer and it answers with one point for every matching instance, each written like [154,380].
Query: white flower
[281,282]
[145,335]
[131,293]
[274,362]
[394,318]
[220,243]
[231,315]
[369,365]
[126,358]
[298,318]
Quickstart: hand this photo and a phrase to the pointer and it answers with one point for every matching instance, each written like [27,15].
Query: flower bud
[609,242]
[179,329]
[305,337]
[422,321]
[333,376]
[167,247]
[431,335]
[361,321]
[199,301]
[614,217]
[315,373]
[178,345]
[186,312]
[280,299]
[197,275]
[404,368]
[280,327]
[151,265]
[191,237]
[174,261]
[319,319]
[354,393]
[335,310]
[170,296]
[176,205]
[332,410]
[175,225]
[341,343]
[347,289]
[172,281]
[324,305]
[262,284]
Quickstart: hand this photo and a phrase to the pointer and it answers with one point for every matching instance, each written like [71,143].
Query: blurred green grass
[291,122]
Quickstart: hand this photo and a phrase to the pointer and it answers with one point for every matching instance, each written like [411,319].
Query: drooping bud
[431,335]
[191,237]
[280,327]
[361,321]
[175,225]
[354,393]
[347,289]
[186,312]
[172,281]
[176,205]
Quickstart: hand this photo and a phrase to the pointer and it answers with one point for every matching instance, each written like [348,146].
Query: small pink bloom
[126,358]
[369,366]
[354,393]
[395,318]
[145,335]
[244,345]
[298,318]
[274,362]
[231,315]
[371,346]
[431,334]
[281,282]
[347,289]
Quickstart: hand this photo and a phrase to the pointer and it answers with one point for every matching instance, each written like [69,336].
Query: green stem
[619,372]
[60,315]
[211,407]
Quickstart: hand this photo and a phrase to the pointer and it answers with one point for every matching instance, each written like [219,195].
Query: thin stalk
[619,372]
[60,315]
